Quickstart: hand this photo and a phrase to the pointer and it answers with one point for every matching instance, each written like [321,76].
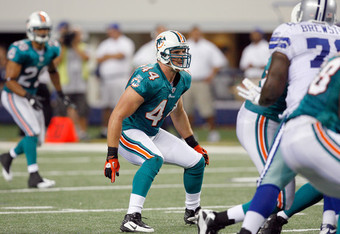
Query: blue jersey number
[313,42]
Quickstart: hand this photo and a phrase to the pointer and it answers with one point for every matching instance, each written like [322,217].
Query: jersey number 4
[156,114]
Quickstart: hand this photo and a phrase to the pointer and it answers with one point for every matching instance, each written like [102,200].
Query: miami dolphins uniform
[255,128]
[310,143]
[31,121]
[143,142]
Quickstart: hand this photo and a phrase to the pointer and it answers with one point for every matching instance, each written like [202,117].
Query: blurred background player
[147,53]
[74,72]
[27,59]
[207,60]
[114,56]
[255,56]
[153,92]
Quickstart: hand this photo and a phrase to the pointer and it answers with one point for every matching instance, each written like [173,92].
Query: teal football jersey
[32,62]
[322,98]
[160,97]
[272,112]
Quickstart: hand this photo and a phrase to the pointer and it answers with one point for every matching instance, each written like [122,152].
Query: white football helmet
[166,43]
[38,20]
[317,10]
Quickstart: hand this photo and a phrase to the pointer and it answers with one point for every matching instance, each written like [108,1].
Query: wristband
[191,141]
[60,94]
[112,152]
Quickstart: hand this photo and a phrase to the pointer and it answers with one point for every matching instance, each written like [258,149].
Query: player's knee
[198,168]
[154,164]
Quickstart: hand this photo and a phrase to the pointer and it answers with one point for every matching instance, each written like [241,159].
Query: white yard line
[102,147]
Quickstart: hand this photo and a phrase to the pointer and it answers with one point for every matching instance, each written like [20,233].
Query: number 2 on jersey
[313,42]
[156,114]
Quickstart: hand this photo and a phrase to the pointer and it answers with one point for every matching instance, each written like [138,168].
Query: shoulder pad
[22,45]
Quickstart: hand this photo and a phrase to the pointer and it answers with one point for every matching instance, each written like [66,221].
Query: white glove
[251,92]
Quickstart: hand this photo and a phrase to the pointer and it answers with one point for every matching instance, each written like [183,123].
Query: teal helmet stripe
[178,37]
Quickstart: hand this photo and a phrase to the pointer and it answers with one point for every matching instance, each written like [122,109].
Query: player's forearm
[182,124]
[114,130]
[15,87]
[56,81]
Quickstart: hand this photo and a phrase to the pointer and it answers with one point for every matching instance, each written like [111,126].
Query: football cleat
[6,161]
[206,222]
[327,229]
[273,225]
[190,216]
[133,223]
[36,181]
[244,231]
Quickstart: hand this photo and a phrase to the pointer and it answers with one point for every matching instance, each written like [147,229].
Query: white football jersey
[307,45]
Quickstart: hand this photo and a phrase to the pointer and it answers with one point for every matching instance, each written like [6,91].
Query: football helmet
[169,41]
[317,10]
[38,20]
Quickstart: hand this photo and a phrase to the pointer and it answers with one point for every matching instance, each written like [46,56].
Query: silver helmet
[317,10]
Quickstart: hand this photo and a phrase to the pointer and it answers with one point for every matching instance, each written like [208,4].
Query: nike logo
[131,226]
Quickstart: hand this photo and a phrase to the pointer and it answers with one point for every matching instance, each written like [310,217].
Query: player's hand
[204,153]
[251,92]
[66,100]
[111,168]
[34,101]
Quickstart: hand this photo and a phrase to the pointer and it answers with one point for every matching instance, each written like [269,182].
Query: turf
[84,201]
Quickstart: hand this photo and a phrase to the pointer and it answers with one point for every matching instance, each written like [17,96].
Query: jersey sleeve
[16,54]
[281,40]
[140,84]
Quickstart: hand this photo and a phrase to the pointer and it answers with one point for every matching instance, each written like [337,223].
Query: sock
[136,204]
[253,221]
[305,197]
[237,213]
[30,149]
[193,177]
[32,168]
[192,201]
[222,219]
[264,200]
[145,175]
[12,153]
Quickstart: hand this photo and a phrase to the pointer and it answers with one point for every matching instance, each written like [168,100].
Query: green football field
[84,201]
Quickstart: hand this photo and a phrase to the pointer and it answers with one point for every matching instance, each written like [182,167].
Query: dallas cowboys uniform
[307,45]
[33,63]
[311,139]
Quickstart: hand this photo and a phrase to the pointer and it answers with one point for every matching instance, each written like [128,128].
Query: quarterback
[153,92]
[27,60]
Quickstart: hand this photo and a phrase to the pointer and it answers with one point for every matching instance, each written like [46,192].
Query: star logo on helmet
[160,41]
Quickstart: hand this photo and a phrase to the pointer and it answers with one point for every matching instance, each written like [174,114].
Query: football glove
[34,101]
[204,153]
[251,92]
[66,100]
[111,169]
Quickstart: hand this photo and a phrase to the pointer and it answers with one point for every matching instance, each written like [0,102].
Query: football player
[153,92]
[282,44]
[29,58]
[296,59]
[316,124]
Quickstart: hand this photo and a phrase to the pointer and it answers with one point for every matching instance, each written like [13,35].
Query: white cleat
[46,183]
